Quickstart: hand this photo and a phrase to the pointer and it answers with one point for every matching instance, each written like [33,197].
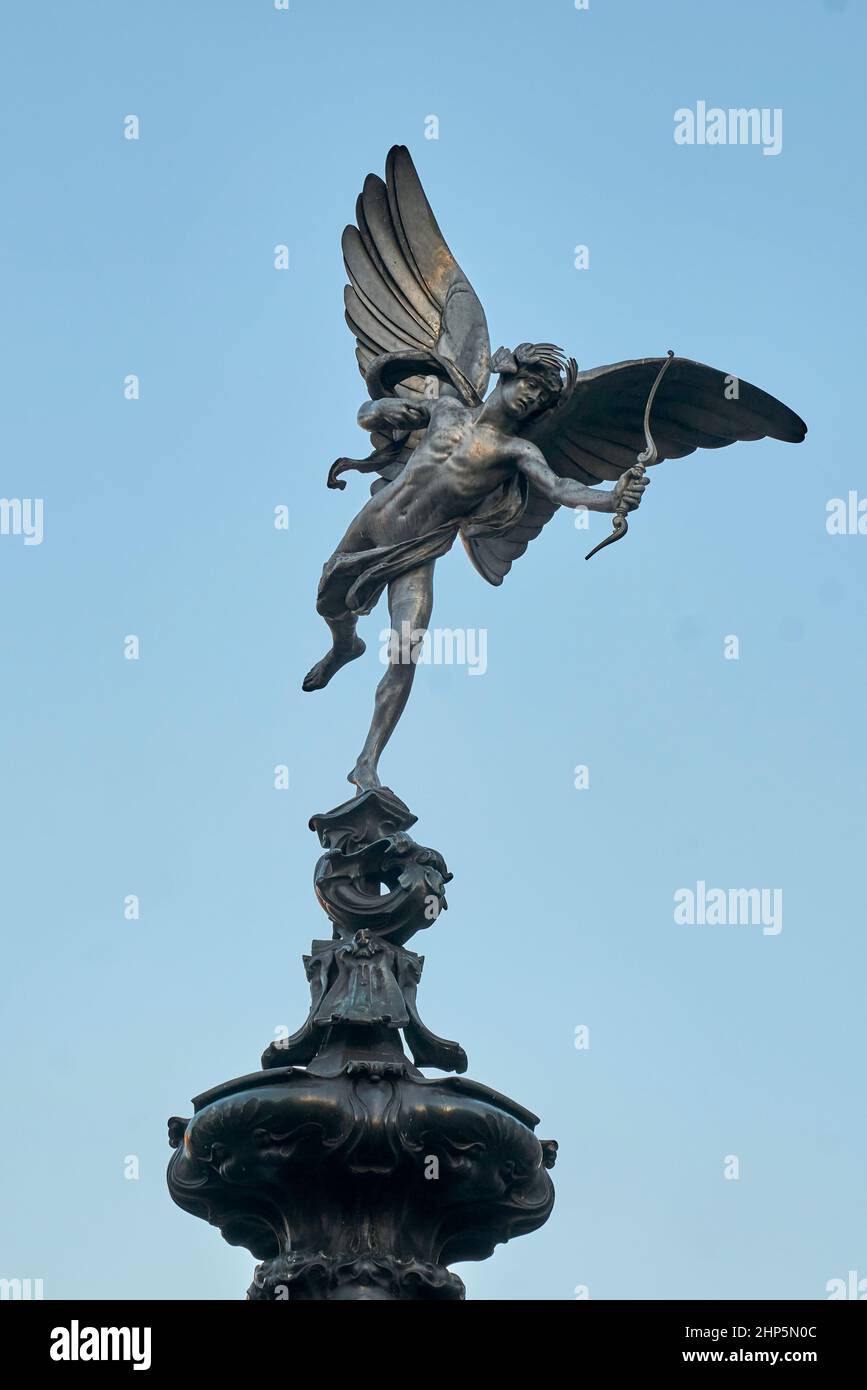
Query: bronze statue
[347,1171]
[492,469]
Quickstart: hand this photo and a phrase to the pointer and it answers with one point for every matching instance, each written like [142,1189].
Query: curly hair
[545,361]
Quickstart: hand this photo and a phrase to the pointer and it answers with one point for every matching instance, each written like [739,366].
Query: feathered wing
[597,433]
[407,294]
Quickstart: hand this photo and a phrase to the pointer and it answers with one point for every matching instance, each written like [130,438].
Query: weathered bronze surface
[349,1173]
[340,1165]
[491,469]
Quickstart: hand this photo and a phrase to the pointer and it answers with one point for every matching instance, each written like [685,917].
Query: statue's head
[531,378]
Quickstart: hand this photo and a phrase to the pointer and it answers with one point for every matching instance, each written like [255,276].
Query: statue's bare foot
[364,776]
[319,675]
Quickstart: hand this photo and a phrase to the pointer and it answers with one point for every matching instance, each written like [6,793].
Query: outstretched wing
[407,292]
[598,432]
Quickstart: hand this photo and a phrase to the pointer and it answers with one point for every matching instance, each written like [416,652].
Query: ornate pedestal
[343,1168]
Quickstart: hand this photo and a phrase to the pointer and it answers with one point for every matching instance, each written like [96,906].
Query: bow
[648,455]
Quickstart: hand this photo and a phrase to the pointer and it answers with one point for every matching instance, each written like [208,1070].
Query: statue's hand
[629,490]
[408,416]
[394,414]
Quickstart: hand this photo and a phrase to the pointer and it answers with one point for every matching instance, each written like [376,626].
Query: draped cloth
[353,580]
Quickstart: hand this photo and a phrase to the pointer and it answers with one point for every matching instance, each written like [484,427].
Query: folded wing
[407,292]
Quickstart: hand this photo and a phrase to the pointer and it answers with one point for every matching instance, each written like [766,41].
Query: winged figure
[454,459]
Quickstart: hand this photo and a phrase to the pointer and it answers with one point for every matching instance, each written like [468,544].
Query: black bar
[192,1338]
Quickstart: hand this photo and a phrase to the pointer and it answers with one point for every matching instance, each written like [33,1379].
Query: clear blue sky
[155,777]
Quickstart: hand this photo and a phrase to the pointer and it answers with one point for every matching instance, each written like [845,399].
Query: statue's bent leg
[410,602]
[346,645]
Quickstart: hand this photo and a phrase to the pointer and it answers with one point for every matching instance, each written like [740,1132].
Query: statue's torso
[458,463]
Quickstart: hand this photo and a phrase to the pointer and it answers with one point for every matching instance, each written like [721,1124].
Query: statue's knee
[332,613]
[401,659]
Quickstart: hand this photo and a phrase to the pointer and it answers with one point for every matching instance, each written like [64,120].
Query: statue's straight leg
[410,603]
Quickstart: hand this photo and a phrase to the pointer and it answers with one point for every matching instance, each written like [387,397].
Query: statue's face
[522,393]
